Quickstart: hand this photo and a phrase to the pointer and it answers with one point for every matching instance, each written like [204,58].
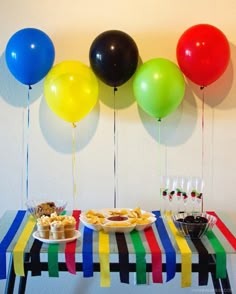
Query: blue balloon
[29,55]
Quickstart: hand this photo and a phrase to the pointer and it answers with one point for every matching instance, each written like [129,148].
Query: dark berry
[201,220]
[189,219]
[180,220]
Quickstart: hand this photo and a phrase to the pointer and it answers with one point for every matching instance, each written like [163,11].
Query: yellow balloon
[71,90]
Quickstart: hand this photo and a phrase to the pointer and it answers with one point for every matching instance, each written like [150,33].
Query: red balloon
[203,54]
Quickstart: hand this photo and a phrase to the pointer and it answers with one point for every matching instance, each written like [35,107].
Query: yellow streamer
[186,255]
[18,251]
[104,250]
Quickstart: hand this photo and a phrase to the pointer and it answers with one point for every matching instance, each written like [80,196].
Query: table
[158,250]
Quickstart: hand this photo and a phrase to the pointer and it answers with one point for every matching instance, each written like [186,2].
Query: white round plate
[56,241]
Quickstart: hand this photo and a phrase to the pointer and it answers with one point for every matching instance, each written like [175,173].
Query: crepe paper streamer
[203,261]
[156,255]
[35,257]
[53,270]
[123,257]
[220,255]
[71,246]
[87,253]
[18,251]
[217,283]
[7,240]
[186,255]
[224,230]
[167,245]
[103,251]
[140,257]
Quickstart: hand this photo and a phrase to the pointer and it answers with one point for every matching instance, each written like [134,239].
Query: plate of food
[51,240]
[117,220]
[56,228]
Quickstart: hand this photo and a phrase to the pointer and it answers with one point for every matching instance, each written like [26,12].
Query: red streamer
[71,246]
[156,256]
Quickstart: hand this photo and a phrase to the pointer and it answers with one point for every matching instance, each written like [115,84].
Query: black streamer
[123,257]
[203,261]
[35,257]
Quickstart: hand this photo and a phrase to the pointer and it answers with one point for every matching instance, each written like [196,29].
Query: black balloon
[113,57]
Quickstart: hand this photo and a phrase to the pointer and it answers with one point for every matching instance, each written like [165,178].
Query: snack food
[45,208]
[134,216]
[95,217]
[69,226]
[43,227]
[56,226]
[57,229]
[117,220]
[193,225]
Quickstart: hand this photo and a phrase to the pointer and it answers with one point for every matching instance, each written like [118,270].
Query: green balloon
[159,87]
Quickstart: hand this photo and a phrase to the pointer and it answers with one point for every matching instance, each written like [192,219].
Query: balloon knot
[159,119]
[115,89]
[202,87]
[30,87]
[74,125]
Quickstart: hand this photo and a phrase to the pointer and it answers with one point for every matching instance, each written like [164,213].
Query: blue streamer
[87,252]
[168,247]
[7,240]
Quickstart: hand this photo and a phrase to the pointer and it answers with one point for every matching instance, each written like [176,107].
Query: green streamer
[53,270]
[53,260]
[140,257]
[220,255]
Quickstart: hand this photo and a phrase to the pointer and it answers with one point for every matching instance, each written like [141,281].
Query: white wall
[156,27]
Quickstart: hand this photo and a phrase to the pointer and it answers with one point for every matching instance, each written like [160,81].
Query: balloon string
[23,162]
[27,146]
[203,141]
[159,142]
[74,166]
[115,149]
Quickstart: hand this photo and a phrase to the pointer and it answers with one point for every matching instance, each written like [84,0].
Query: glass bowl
[39,207]
[193,225]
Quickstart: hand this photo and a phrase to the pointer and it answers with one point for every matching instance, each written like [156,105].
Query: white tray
[56,241]
[116,228]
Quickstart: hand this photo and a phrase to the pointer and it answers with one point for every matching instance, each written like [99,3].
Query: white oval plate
[95,227]
[111,229]
[56,241]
